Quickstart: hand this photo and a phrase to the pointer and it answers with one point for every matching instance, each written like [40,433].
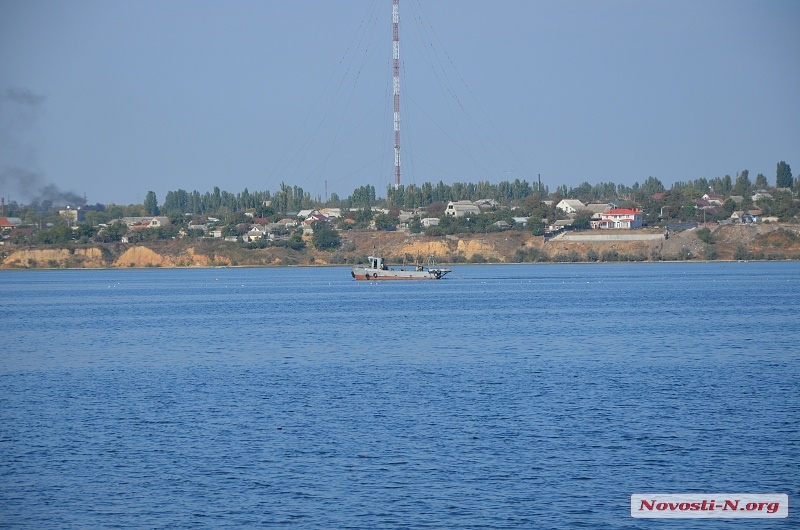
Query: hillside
[756,241]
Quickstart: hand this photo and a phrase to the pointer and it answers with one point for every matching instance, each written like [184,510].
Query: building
[461,208]
[618,218]
[146,222]
[72,215]
[570,206]
[9,222]
[599,207]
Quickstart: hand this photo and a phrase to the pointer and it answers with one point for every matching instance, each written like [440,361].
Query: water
[531,396]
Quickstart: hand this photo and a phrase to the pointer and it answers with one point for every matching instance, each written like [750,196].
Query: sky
[110,100]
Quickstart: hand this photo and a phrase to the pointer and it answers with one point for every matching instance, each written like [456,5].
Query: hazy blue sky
[115,98]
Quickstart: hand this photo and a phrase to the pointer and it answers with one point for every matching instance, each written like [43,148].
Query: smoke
[29,187]
[22,96]
[19,175]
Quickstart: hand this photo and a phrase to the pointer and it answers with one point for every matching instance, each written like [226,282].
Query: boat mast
[396,85]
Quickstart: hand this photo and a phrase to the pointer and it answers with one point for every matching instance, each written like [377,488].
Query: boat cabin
[377,263]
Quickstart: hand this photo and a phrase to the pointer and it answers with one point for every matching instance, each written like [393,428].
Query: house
[522,221]
[502,225]
[331,213]
[738,199]
[560,224]
[596,207]
[73,215]
[461,208]
[618,218]
[405,217]
[487,203]
[255,233]
[430,221]
[657,196]
[713,198]
[15,233]
[750,216]
[146,222]
[314,217]
[570,206]
[9,222]
[760,195]
[203,227]
[287,222]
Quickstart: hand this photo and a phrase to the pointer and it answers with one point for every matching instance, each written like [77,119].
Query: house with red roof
[618,218]
[9,222]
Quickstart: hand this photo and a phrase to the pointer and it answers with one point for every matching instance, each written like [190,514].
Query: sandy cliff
[763,241]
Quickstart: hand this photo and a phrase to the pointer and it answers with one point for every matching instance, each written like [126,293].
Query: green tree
[151,203]
[325,237]
[652,185]
[742,186]
[704,234]
[783,176]
[582,219]
[363,217]
[85,229]
[114,231]
[59,234]
[536,226]
[761,181]
[296,241]
[386,222]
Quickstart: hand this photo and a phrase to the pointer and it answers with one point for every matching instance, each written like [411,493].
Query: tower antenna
[396,88]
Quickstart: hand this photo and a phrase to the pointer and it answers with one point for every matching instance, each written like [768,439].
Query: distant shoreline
[728,243]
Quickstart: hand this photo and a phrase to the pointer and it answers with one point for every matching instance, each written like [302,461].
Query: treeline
[180,203]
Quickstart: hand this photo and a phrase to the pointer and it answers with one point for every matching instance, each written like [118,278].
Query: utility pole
[396,88]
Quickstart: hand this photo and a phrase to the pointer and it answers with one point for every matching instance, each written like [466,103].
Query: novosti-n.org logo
[710,505]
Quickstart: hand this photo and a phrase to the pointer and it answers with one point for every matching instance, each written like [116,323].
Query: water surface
[522,396]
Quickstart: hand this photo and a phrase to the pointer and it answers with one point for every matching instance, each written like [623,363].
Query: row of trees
[676,203]
[294,198]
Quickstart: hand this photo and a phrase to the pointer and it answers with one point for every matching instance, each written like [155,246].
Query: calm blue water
[531,396]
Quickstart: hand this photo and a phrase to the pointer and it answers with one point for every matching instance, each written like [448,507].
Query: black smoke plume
[19,178]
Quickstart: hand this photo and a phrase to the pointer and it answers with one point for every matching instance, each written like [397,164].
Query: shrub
[609,255]
[567,257]
[704,234]
[741,253]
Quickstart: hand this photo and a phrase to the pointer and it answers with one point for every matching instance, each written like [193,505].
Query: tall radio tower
[396,89]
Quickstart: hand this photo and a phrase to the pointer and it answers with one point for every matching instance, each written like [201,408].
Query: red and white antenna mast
[396,88]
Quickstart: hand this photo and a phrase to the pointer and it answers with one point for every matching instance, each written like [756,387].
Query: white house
[149,222]
[461,208]
[331,213]
[570,206]
[618,218]
[305,213]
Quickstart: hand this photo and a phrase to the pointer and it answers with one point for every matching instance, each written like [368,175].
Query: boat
[377,270]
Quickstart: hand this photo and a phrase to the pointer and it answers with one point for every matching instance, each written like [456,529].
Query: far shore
[727,243]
